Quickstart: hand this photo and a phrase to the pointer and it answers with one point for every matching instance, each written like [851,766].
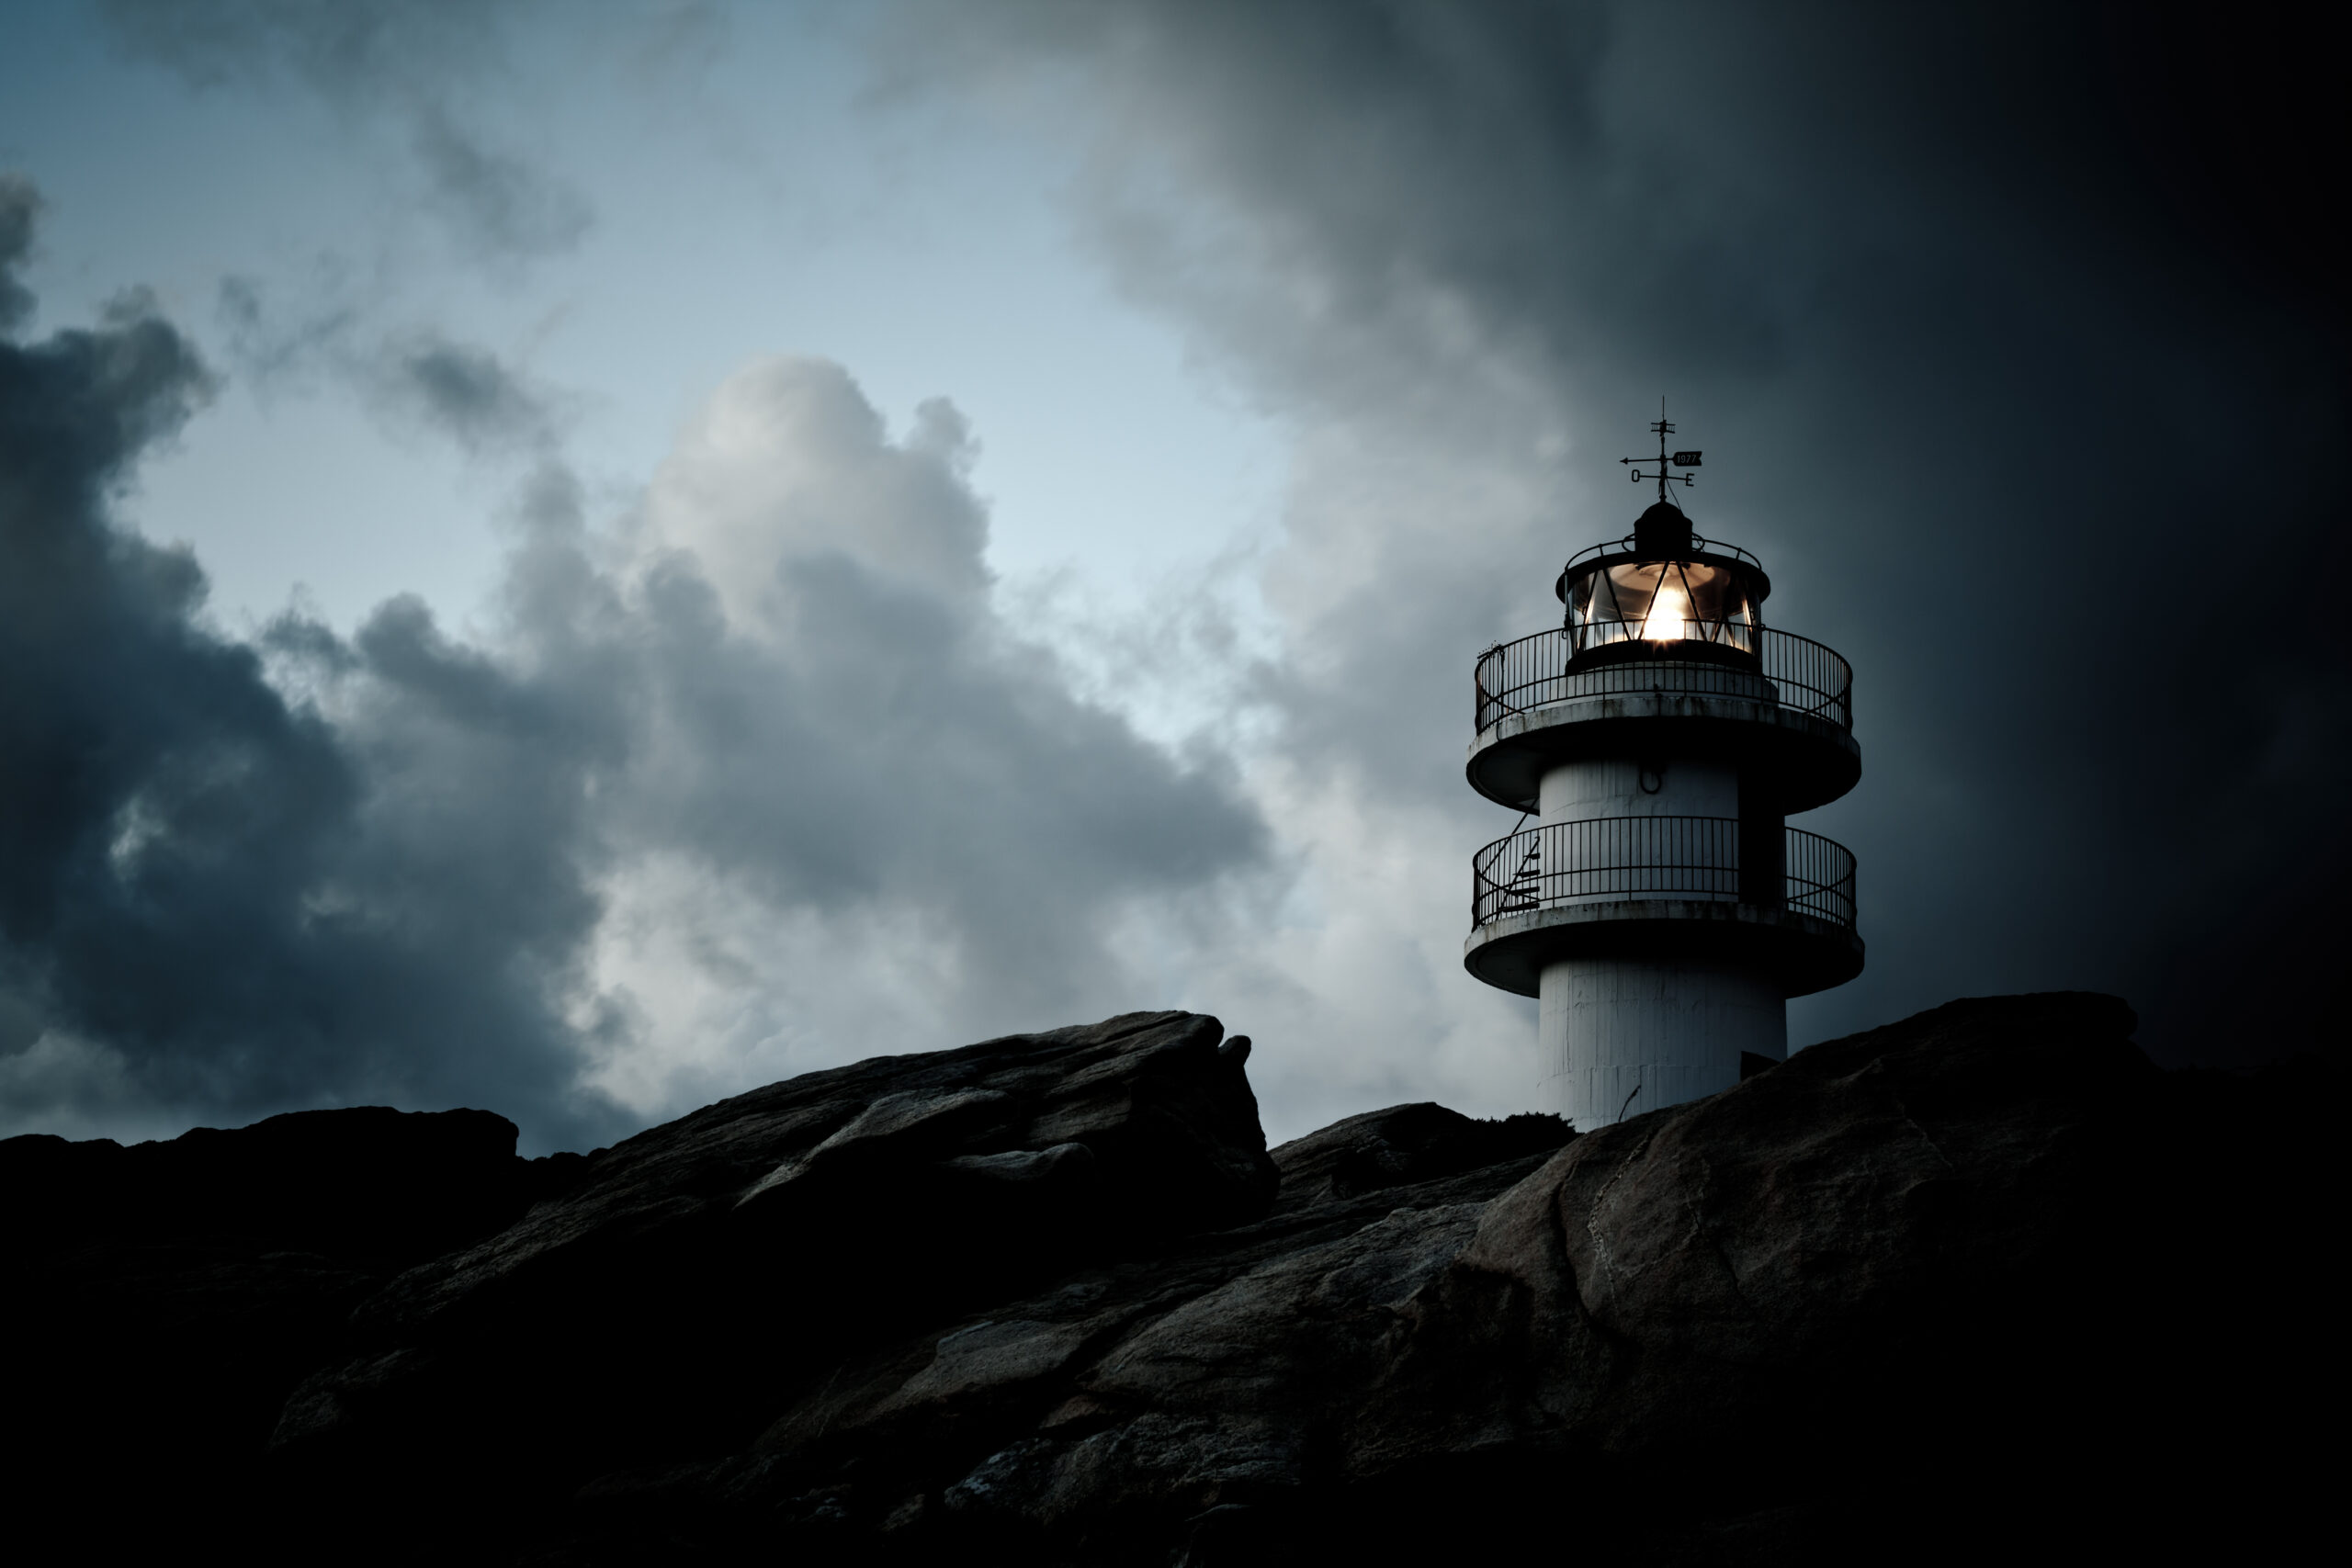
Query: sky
[578,558]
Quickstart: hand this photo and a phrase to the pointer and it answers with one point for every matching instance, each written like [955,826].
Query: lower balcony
[1664,887]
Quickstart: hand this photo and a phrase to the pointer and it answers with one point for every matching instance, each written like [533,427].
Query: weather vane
[1679,460]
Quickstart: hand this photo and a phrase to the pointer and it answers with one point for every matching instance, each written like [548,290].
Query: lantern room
[1670,592]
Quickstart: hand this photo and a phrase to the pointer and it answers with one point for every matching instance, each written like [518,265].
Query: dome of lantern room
[1662,532]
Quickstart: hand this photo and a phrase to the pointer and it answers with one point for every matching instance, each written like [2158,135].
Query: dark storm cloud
[218,899]
[1996,324]
[412,57]
[211,903]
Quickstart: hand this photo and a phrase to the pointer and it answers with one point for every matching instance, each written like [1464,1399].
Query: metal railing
[1532,671]
[1700,545]
[1703,858]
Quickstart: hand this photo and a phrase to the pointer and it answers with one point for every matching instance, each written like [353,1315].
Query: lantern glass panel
[1662,603]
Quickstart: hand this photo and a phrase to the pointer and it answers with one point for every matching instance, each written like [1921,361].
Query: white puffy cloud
[864,814]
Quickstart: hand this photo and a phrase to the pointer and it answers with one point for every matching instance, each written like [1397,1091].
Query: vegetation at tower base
[1979,1273]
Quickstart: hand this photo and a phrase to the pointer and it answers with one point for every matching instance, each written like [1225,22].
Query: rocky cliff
[1981,1277]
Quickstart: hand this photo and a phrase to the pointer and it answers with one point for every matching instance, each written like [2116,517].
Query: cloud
[411,59]
[757,779]
[19,206]
[502,204]
[1978,364]
[216,901]
[464,393]
[874,802]
[361,46]
[416,379]
[271,350]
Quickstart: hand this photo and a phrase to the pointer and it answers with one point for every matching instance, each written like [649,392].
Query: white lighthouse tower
[1662,909]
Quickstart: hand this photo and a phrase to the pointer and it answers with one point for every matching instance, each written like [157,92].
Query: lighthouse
[1660,909]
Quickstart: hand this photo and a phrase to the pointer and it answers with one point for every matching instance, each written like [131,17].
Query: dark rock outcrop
[1404,1145]
[1980,1278]
[712,1271]
[162,1299]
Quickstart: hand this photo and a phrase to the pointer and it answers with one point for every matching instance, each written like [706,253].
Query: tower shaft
[1618,1036]
[1645,1026]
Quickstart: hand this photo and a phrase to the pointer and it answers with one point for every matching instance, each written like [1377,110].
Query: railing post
[1763,860]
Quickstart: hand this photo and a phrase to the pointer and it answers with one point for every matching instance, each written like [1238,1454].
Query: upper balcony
[1603,659]
[1600,687]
